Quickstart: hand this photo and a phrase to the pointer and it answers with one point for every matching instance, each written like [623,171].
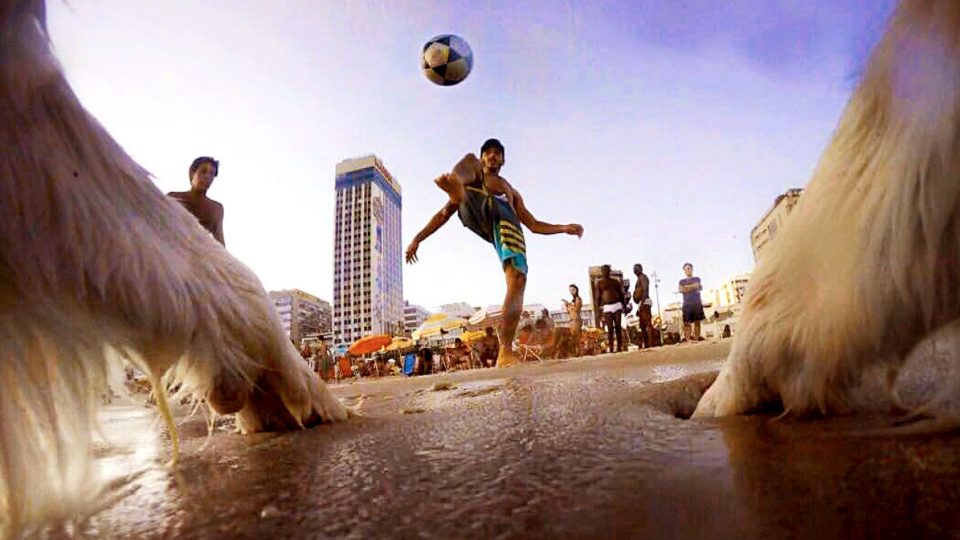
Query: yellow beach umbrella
[490,316]
[440,322]
[471,337]
[399,343]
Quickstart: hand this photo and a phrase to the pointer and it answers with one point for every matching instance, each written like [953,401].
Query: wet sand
[588,448]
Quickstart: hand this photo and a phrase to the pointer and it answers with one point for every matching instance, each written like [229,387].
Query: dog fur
[868,264]
[97,268]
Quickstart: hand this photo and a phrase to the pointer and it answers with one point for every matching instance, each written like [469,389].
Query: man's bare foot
[452,186]
[507,358]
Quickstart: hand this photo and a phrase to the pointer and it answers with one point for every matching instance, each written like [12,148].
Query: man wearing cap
[490,207]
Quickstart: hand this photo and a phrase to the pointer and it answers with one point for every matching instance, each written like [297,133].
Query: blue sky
[665,127]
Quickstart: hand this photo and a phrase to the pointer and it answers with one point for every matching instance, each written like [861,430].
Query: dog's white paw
[723,398]
[287,401]
[709,405]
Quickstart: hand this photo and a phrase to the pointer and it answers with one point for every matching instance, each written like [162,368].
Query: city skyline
[667,129]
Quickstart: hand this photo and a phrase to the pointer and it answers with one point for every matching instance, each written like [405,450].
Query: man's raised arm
[541,227]
[435,223]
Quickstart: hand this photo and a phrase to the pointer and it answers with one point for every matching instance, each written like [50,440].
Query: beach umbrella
[399,343]
[369,344]
[471,337]
[438,323]
[490,316]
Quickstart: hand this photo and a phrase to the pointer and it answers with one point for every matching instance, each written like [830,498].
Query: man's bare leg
[609,330]
[452,186]
[618,328]
[512,306]
[696,331]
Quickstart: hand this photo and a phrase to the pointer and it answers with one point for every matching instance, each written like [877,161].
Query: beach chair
[346,368]
[528,348]
[550,344]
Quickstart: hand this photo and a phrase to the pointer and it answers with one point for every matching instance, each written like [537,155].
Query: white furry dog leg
[93,259]
[868,263]
[721,398]
[738,388]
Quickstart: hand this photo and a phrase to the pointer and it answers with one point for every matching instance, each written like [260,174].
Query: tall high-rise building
[367,264]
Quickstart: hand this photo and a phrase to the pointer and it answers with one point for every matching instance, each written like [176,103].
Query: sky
[665,127]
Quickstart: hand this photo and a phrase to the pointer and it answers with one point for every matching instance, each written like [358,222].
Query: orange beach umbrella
[369,344]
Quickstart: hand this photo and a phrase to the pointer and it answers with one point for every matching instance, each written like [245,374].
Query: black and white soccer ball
[447,59]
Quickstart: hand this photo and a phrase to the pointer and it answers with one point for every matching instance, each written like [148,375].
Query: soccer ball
[447,60]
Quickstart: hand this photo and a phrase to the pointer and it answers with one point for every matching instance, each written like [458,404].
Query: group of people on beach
[494,210]
[614,303]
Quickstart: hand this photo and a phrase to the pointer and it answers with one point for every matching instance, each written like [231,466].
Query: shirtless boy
[207,211]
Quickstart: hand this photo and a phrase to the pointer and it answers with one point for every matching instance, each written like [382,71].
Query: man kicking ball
[489,206]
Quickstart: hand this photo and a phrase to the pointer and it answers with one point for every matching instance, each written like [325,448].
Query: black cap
[491,143]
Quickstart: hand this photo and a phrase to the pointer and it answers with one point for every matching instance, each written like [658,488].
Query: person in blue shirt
[692,305]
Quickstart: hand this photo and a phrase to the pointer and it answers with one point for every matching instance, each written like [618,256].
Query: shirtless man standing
[609,292]
[207,211]
[490,207]
[641,296]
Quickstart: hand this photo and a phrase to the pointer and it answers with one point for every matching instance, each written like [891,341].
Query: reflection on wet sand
[581,449]
[816,477]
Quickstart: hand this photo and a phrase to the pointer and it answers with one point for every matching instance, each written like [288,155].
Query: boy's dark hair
[200,161]
[687,264]
[492,143]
